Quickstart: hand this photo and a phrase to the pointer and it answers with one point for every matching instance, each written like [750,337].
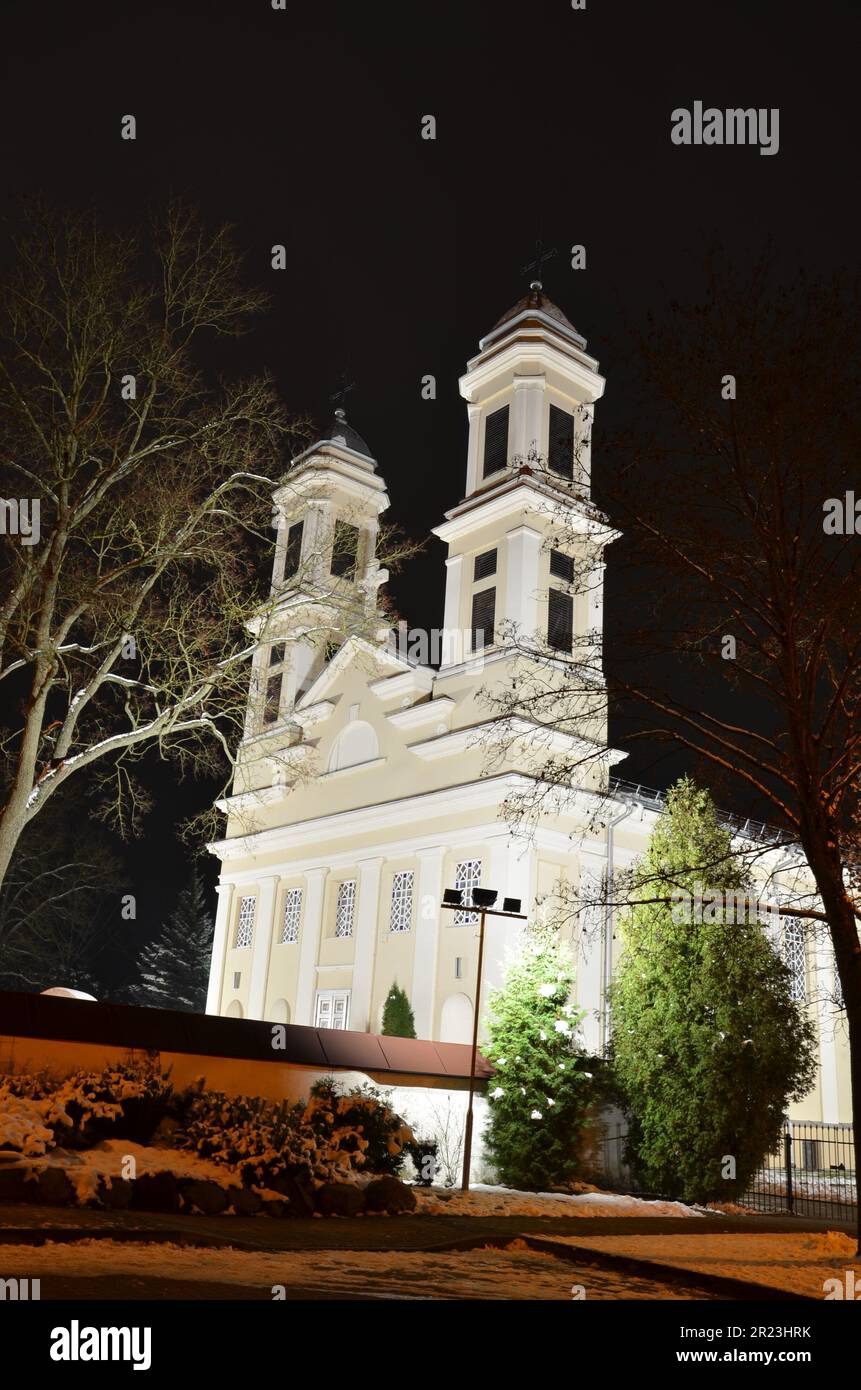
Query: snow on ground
[107,1157]
[485,1199]
[798,1262]
[515,1272]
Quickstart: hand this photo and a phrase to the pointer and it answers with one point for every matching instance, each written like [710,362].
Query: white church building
[364,786]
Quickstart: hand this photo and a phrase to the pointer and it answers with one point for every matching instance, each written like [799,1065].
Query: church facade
[370,778]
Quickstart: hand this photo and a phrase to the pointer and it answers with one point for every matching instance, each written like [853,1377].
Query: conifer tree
[398,1018]
[708,1045]
[540,1092]
[173,970]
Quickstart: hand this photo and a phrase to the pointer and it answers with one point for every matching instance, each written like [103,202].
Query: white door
[333,1008]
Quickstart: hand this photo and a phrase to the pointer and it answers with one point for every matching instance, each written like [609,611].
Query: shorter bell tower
[325,574]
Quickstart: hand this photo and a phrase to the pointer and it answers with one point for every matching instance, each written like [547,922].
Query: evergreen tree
[398,1018]
[708,1045]
[540,1093]
[173,970]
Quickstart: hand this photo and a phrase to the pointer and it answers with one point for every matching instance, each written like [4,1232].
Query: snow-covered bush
[122,1102]
[331,1138]
[22,1128]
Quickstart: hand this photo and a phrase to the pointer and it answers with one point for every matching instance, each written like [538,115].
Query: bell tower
[325,573]
[530,394]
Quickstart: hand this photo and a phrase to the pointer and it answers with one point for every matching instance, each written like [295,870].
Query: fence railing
[810,1173]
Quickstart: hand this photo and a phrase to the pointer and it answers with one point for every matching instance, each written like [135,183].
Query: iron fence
[810,1173]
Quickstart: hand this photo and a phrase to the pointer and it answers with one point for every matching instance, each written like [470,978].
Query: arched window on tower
[345,550]
[274,682]
[293,549]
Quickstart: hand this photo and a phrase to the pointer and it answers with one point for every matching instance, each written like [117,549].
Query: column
[267,894]
[527,424]
[523,558]
[367,916]
[473,471]
[500,936]
[219,946]
[429,896]
[309,945]
[595,614]
[453,643]
[590,954]
[281,527]
[826,1027]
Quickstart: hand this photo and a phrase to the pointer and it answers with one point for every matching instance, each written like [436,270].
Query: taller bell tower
[530,394]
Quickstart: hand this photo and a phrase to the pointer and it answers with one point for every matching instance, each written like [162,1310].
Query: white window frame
[795,957]
[332,1009]
[245,921]
[345,908]
[467,876]
[401,915]
[291,917]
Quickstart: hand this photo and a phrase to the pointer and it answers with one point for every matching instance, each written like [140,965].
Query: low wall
[429,1081]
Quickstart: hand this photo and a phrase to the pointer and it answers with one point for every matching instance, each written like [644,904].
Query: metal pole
[787,1159]
[467,1138]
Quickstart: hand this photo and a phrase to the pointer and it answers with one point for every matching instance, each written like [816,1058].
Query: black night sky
[303,127]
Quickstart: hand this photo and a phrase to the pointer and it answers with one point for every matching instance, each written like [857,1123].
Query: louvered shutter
[560,453]
[483,616]
[496,441]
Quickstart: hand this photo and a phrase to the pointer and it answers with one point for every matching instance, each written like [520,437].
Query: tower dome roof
[534,308]
[339,431]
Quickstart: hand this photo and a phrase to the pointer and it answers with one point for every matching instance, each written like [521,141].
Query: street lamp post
[482,900]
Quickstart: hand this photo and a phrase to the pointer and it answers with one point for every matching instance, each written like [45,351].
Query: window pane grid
[793,955]
[467,876]
[245,921]
[292,915]
[345,908]
[402,901]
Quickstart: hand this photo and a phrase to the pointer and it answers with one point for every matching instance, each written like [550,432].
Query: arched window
[355,744]
[279,1012]
[234,1009]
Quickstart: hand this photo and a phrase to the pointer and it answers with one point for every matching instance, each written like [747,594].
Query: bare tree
[125,625]
[740,643]
[60,904]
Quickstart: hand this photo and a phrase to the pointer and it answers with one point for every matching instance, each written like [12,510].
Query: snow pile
[486,1199]
[21,1126]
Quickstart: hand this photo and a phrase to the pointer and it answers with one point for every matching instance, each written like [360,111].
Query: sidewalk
[26,1224]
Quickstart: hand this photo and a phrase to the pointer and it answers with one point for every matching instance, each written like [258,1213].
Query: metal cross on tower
[536,263]
[339,397]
